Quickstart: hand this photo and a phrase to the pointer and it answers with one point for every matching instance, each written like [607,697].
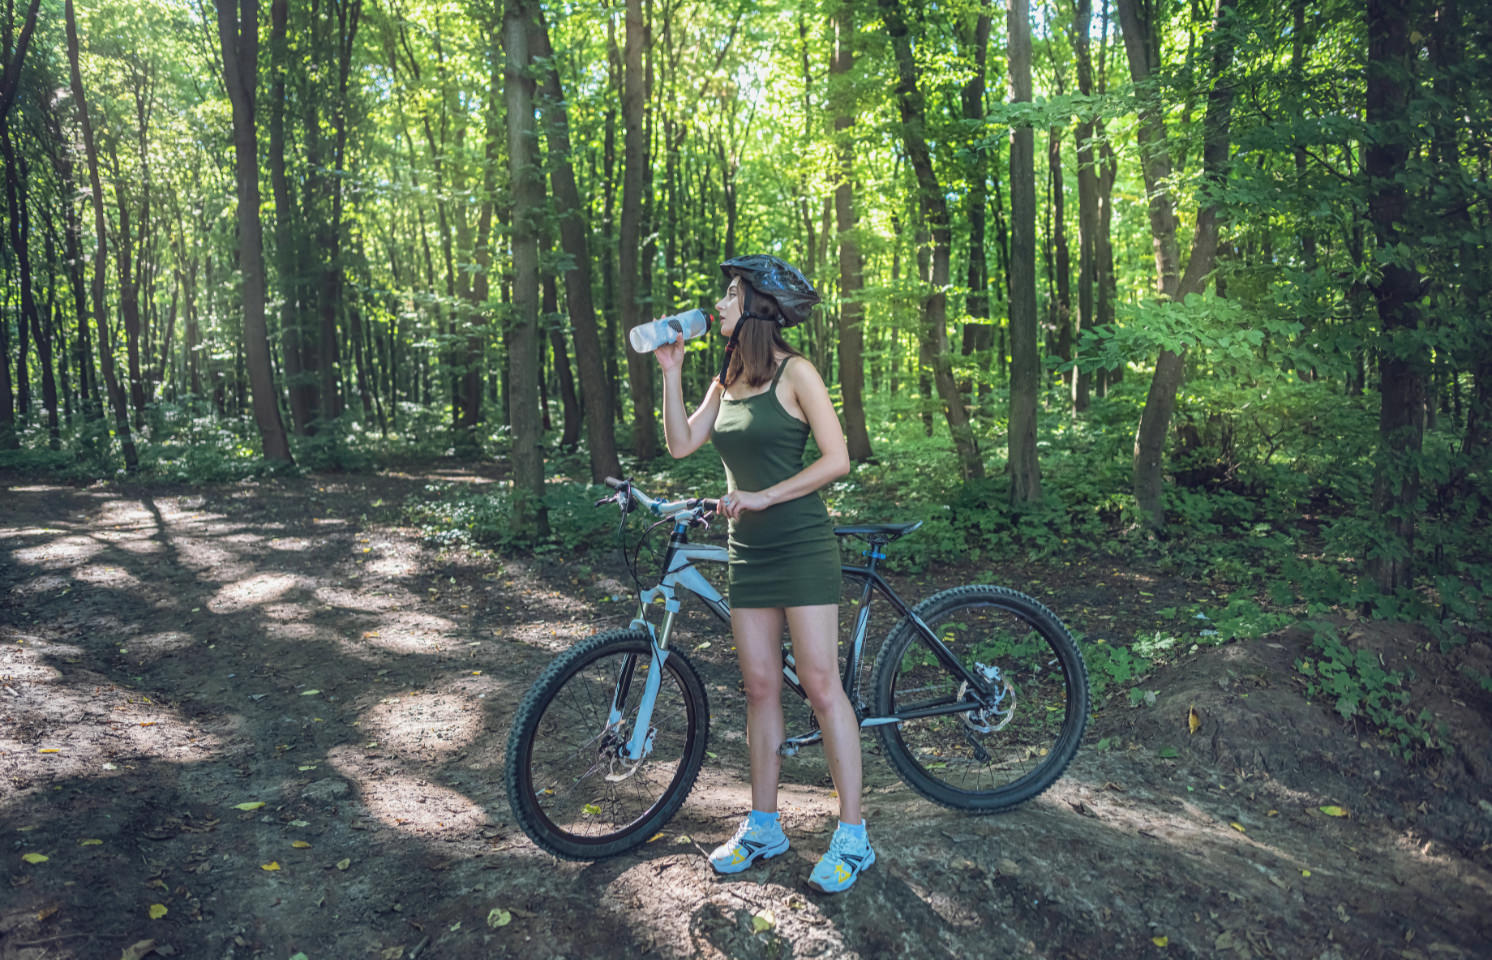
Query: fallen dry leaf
[1193,719]
[250,805]
[35,857]
[157,910]
[498,917]
[138,950]
[272,865]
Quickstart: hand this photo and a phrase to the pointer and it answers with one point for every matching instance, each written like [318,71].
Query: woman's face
[729,307]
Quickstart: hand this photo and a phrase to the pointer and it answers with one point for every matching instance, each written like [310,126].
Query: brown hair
[760,339]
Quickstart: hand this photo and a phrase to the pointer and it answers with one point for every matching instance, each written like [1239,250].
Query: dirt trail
[169,655]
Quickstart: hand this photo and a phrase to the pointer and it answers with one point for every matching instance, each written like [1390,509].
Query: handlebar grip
[614,483]
[711,504]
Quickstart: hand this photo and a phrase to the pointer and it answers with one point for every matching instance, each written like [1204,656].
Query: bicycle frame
[679,571]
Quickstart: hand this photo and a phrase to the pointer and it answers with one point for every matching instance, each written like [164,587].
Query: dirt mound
[1256,719]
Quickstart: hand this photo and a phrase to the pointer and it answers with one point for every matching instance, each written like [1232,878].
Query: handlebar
[692,508]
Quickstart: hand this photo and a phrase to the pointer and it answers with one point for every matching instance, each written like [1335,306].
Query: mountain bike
[978,695]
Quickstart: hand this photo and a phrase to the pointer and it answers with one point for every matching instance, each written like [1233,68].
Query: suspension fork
[640,744]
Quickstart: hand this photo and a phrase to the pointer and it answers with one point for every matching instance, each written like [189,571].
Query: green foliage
[1362,691]
[450,514]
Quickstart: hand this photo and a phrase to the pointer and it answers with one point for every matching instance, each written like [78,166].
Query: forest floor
[168,654]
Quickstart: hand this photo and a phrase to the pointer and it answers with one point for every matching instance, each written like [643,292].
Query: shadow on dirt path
[276,715]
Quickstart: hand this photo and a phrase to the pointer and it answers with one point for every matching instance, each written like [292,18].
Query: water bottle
[647,337]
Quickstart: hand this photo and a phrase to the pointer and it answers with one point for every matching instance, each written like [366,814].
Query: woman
[784,561]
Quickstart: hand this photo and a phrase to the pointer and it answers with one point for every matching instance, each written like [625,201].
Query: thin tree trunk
[978,333]
[1062,294]
[1082,22]
[27,319]
[302,388]
[527,191]
[935,209]
[851,264]
[73,256]
[594,384]
[563,377]
[1025,358]
[100,253]
[1142,44]
[238,33]
[634,163]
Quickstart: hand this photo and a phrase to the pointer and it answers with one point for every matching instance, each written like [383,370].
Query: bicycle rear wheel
[568,785]
[1023,736]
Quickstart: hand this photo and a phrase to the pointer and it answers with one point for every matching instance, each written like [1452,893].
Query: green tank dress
[786,555]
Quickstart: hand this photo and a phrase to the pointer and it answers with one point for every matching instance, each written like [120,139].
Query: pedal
[791,746]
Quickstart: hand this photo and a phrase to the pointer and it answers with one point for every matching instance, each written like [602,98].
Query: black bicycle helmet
[778,279]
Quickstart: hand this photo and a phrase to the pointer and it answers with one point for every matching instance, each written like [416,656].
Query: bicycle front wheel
[1023,728]
[570,784]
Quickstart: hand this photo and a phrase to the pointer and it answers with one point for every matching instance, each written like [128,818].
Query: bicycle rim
[573,792]
[1022,739]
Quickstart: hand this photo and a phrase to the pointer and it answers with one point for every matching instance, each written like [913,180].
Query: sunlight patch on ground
[257,590]
[59,553]
[201,554]
[67,727]
[427,725]
[358,600]
[682,924]
[43,584]
[292,544]
[407,803]
[413,633]
[103,575]
[394,566]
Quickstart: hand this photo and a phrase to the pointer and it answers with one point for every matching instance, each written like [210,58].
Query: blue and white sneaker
[757,838]
[849,853]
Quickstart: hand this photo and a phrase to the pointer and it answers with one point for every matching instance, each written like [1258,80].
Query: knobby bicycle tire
[995,760]
[560,749]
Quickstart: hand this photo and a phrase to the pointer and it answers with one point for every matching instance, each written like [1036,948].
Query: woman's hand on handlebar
[737,502]
[671,355]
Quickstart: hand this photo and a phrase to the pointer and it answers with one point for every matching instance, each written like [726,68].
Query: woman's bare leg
[815,633]
[758,635]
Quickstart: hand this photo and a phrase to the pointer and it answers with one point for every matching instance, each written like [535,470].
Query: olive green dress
[786,555]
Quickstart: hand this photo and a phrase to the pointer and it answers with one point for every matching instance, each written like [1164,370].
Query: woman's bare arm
[683,433]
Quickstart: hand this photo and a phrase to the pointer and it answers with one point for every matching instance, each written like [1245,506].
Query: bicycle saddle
[877,531]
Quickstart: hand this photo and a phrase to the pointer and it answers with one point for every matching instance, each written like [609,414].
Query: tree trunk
[100,252]
[1142,45]
[935,210]
[977,334]
[851,265]
[1403,358]
[10,71]
[72,252]
[634,163]
[594,383]
[564,379]
[19,232]
[302,388]
[527,192]
[1082,22]
[238,34]
[1025,358]
[1062,293]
